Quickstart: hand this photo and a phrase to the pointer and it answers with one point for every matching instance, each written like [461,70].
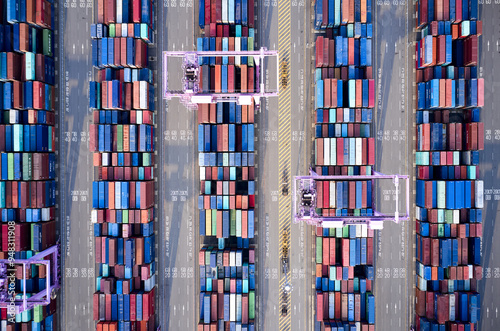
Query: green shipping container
[47,42]
[214,222]
[319,250]
[27,165]
[10,166]
[251,305]
[232,215]
[250,48]
[34,37]
[119,138]
[345,232]
[111,30]
[38,313]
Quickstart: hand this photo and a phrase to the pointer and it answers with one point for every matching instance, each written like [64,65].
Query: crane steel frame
[300,214]
[41,298]
[192,97]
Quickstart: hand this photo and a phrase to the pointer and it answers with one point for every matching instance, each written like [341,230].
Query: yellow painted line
[284,150]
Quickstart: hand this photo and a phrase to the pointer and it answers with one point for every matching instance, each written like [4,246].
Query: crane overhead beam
[305,202]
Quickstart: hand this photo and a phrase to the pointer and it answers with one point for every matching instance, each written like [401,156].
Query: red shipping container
[319,51]
[319,306]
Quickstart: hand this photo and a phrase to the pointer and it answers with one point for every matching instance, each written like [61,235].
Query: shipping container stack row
[228,26]
[227,287]
[344,145]
[226,135]
[27,152]
[449,192]
[121,97]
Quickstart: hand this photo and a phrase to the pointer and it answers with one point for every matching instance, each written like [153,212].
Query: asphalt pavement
[177,226]
[178,181]
[489,69]
[75,166]
[393,122]
[300,253]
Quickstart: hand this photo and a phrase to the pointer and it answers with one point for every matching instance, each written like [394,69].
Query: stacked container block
[121,97]
[226,135]
[227,74]
[449,194]
[227,286]
[27,146]
[344,145]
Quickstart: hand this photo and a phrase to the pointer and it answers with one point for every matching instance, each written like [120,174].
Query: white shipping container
[119,11]
[45,214]
[456,158]
[238,223]
[456,216]
[359,151]
[202,173]
[224,11]
[338,130]
[232,307]
[105,157]
[333,197]
[452,307]
[93,216]
[237,48]
[364,231]
[125,30]
[326,151]
[358,231]
[232,259]
[139,117]
[352,151]
[118,194]
[346,115]
[441,194]
[479,203]
[238,308]
[239,259]
[143,98]
[225,188]
[13,116]
[333,151]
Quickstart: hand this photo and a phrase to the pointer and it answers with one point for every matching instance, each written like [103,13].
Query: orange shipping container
[244,78]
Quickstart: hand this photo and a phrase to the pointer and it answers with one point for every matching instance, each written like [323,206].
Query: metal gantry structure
[305,202]
[191,93]
[19,303]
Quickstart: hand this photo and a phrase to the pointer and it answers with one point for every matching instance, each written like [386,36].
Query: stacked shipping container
[227,167]
[122,139]
[227,286]
[27,146]
[345,97]
[449,195]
